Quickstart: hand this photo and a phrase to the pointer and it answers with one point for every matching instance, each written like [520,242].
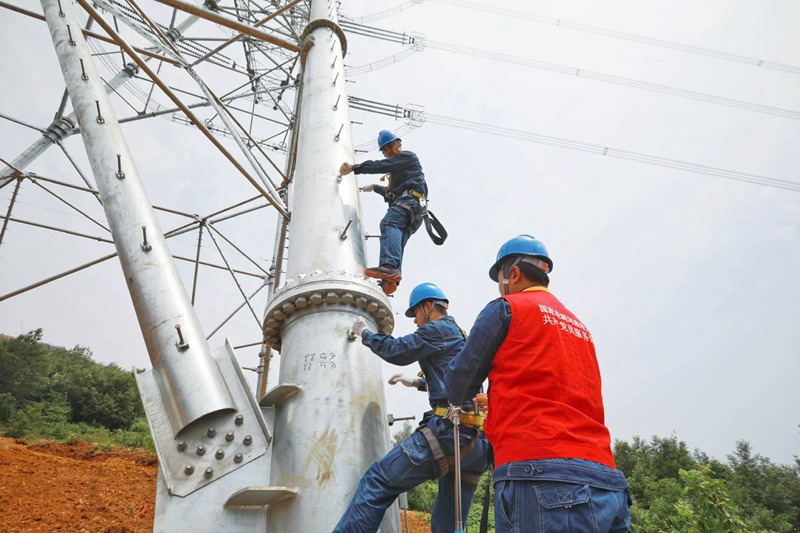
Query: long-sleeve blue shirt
[433,345]
[405,174]
[467,371]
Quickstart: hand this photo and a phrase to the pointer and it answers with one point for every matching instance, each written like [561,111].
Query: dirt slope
[78,487]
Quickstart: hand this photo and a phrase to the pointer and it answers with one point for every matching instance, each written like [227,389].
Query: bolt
[336,105]
[248,440]
[331,297]
[181,446]
[339,133]
[120,173]
[60,10]
[211,432]
[182,345]
[301,302]
[188,469]
[201,450]
[343,233]
[238,458]
[146,248]
[229,436]
[334,63]
[69,32]
[209,472]
[220,454]
[335,80]
[100,119]
[239,420]
[84,77]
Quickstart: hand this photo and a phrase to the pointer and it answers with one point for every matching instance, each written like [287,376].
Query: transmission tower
[264,83]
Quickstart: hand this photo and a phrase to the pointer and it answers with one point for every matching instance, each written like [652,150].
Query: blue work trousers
[410,464]
[560,495]
[396,227]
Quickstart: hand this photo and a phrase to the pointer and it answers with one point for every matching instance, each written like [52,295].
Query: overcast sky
[688,282]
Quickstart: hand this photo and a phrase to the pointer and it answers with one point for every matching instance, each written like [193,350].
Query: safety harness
[445,463]
[433,226]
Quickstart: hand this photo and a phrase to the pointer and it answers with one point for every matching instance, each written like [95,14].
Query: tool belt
[473,419]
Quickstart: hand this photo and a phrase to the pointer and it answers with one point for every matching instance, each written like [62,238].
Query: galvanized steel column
[327,435]
[188,378]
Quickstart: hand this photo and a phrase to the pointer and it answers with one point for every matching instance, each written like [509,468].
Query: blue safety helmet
[385,137]
[422,292]
[523,245]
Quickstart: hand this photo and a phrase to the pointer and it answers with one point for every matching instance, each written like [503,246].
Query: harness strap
[471,480]
[434,228]
[443,465]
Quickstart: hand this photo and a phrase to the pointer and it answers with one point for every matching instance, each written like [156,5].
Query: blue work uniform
[406,185]
[411,462]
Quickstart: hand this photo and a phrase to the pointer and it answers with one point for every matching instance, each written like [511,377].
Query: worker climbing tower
[291,459]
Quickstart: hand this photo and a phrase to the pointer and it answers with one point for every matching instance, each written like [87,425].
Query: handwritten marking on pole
[315,361]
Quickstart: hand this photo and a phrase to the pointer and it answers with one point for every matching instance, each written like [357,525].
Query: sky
[688,282]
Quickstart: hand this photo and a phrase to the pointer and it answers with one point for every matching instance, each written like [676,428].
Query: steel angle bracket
[213,446]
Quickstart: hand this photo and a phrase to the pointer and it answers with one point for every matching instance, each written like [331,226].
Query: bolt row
[146,247]
[327,297]
[220,453]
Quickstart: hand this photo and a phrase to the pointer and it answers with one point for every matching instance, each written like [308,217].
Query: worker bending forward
[554,470]
[406,195]
[428,452]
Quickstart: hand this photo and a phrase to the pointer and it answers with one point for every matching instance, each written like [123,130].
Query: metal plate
[222,437]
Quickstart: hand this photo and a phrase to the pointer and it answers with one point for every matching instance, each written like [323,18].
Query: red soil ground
[79,487]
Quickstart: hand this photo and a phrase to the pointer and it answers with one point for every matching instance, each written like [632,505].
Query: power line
[598,149]
[613,152]
[618,80]
[420,43]
[387,12]
[772,65]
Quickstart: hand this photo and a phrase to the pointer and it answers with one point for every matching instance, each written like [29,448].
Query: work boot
[383,272]
[389,287]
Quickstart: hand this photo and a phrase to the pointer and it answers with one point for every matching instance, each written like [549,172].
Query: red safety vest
[545,399]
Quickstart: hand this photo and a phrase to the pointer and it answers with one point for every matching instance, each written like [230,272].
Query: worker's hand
[408,382]
[368,188]
[345,169]
[481,401]
[359,326]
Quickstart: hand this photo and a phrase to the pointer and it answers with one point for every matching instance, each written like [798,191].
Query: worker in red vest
[554,470]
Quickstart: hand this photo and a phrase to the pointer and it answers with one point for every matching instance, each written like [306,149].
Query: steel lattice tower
[287,459]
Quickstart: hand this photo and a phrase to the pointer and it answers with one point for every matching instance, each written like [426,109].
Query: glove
[481,402]
[359,326]
[408,382]
[345,169]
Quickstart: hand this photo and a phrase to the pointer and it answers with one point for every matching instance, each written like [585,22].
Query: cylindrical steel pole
[188,378]
[328,434]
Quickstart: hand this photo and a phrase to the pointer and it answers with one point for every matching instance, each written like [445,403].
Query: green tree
[23,372]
